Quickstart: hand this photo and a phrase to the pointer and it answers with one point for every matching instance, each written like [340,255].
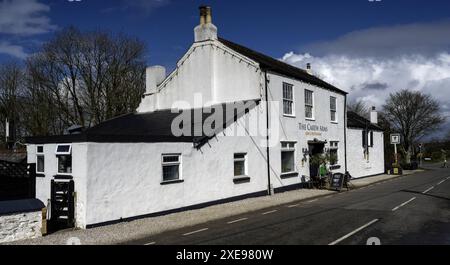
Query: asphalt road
[413,209]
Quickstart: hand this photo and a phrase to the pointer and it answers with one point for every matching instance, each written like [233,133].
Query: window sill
[334,122]
[310,119]
[40,175]
[172,182]
[289,175]
[289,116]
[63,176]
[241,179]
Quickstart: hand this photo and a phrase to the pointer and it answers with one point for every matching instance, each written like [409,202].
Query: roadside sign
[337,181]
[395,138]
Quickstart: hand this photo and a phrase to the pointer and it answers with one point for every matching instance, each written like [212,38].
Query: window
[287,157]
[40,161]
[240,168]
[309,104]
[288,99]
[64,157]
[334,146]
[333,109]
[171,167]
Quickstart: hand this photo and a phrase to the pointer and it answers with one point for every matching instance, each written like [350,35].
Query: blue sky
[273,27]
[369,49]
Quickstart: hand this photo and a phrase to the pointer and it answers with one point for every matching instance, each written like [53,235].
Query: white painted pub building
[137,165]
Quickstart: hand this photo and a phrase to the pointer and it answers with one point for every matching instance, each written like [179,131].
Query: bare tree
[11,98]
[88,76]
[413,115]
[359,107]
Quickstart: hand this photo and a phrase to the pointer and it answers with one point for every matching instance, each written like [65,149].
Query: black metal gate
[62,204]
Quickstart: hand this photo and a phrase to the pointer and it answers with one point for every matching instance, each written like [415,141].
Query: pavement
[295,217]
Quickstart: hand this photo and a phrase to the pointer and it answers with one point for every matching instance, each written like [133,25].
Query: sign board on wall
[395,138]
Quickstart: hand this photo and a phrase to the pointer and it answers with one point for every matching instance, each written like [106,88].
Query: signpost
[395,140]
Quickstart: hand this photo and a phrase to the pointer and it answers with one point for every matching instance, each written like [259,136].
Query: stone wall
[20,220]
[20,226]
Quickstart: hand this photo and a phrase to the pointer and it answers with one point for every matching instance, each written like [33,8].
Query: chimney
[206,30]
[154,76]
[374,116]
[308,69]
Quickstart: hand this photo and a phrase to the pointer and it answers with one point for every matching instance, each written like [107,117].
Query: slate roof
[147,127]
[356,121]
[269,63]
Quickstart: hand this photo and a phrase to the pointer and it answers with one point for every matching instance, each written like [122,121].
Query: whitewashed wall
[124,180]
[79,164]
[20,226]
[289,126]
[358,166]
[211,70]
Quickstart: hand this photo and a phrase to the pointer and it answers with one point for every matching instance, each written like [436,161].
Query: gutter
[345,132]
[269,185]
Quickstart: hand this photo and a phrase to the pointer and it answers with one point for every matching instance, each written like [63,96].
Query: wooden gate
[62,204]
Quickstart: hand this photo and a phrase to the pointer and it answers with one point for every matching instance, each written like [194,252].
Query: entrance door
[314,149]
[62,204]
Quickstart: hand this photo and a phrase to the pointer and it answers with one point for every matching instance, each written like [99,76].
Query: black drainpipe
[345,131]
[269,190]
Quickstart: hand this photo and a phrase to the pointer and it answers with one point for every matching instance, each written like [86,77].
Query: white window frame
[240,160]
[288,100]
[335,110]
[312,118]
[179,164]
[40,154]
[63,153]
[334,145]
[59,154]
[291,147]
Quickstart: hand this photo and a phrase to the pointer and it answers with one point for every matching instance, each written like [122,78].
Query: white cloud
[12,50]
[372,79]
[143,7]
[24,17]
[417,38]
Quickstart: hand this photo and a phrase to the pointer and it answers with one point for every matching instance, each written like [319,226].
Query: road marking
[294,205]
[403,204]
[195,232]
[238,220]
[312,201]
[442,182]
[151,243]
[428,190]
[354,232]
[274,211]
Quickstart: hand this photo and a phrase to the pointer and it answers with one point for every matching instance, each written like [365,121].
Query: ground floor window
[40,160]
[171,167]
[287,157]
[64,157]
[334,146]
[240,168]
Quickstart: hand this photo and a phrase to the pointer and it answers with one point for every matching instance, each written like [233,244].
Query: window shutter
[371,139]
[364,138]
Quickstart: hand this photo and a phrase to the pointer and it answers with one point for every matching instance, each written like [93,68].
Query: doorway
[315,148]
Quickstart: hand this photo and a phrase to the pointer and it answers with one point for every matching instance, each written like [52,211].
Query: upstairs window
[333,109]
[309,104]
[40,160]
[288,99]
[287,157]
[64,157]
[240,168]
[171,167]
